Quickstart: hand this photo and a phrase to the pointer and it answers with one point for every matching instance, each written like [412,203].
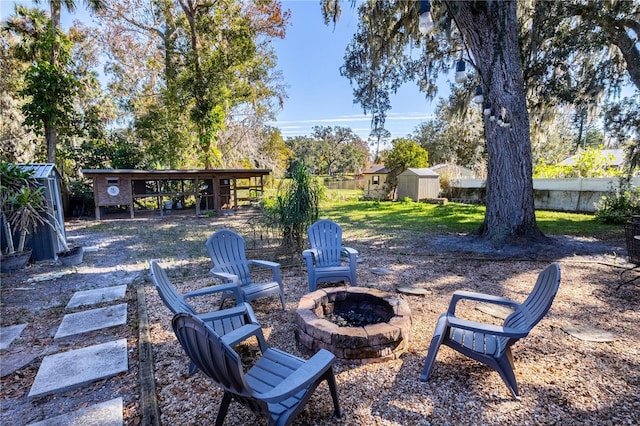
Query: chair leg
[284,305]
[224,407]
[505,369]
[333,388]
[434,346]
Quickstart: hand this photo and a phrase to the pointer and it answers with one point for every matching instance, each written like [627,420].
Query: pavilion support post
[197,191]
[235,194]
[131,206]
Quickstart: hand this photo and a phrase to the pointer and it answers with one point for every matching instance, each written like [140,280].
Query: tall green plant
[297,206]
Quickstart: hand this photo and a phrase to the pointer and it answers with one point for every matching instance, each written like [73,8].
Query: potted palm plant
[22,205]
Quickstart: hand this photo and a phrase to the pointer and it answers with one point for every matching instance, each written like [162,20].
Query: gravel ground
[562,380]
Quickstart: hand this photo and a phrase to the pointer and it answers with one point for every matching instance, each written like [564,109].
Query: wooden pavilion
[211,189]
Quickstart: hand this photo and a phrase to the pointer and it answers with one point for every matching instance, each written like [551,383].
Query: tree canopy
[519,59]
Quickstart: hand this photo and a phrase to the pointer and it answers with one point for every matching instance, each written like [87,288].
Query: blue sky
[310,57]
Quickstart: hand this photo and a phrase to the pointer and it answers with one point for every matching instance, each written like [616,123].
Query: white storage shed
[418,184]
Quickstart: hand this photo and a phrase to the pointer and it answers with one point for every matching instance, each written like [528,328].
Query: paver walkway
[67,370]
[91,320]
[71,369]
[104,414]
[99,295]
[9,334]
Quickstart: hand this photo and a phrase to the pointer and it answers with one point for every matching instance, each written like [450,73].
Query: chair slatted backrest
[226,250]
[326,237]
[171,298]
[536,305]
[216,359]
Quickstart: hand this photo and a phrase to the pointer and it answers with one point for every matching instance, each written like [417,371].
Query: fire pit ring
[383,336]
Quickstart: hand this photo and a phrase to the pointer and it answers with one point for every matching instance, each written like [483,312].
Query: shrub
[619,207]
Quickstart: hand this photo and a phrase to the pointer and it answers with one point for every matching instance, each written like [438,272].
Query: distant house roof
[376,169]
[420,172]
[616,160]
[454,170]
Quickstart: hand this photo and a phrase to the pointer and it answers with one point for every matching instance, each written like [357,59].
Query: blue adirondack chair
[491,344]
[324,258]
[222,321]
[277,386]
[226,250]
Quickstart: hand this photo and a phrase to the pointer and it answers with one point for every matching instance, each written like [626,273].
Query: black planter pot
[71,257]
[15,261]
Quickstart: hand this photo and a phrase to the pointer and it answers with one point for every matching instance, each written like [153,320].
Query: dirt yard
[562,379]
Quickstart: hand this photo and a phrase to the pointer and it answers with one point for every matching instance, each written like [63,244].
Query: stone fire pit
[374,325]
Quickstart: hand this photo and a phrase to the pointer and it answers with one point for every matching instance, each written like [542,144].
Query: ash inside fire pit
[352,319]
[357,324]
[358,312]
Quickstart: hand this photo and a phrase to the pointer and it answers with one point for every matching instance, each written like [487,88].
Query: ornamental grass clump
[296,206]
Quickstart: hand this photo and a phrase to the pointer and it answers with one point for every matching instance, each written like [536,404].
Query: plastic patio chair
[277,386]
[226,250]
[222,321]
[491,344]
[324,258]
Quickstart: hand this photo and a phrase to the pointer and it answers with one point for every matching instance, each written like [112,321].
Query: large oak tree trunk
[490,33]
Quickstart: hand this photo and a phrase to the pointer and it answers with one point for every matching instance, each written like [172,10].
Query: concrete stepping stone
[93,319]
[98,295]
[9,364]
[414,291]
[72,369]
[381,271]
[9,334]
[104,414]
[49,277]
[588,333]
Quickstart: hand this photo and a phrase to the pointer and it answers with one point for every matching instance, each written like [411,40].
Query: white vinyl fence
[572,195]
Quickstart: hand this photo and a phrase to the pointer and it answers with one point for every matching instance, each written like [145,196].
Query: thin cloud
[359,118]
[398,124]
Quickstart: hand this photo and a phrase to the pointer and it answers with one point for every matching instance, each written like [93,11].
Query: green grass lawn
[345,208]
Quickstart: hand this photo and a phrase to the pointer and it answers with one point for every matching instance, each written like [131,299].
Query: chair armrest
[215,289]
[236,311]
[311,253]
[250,313]
[309,256]
[275,268]
[496,330]
[480,297]
[265,263]
[306,374]
[243,333]
[349,251]
[226,277]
